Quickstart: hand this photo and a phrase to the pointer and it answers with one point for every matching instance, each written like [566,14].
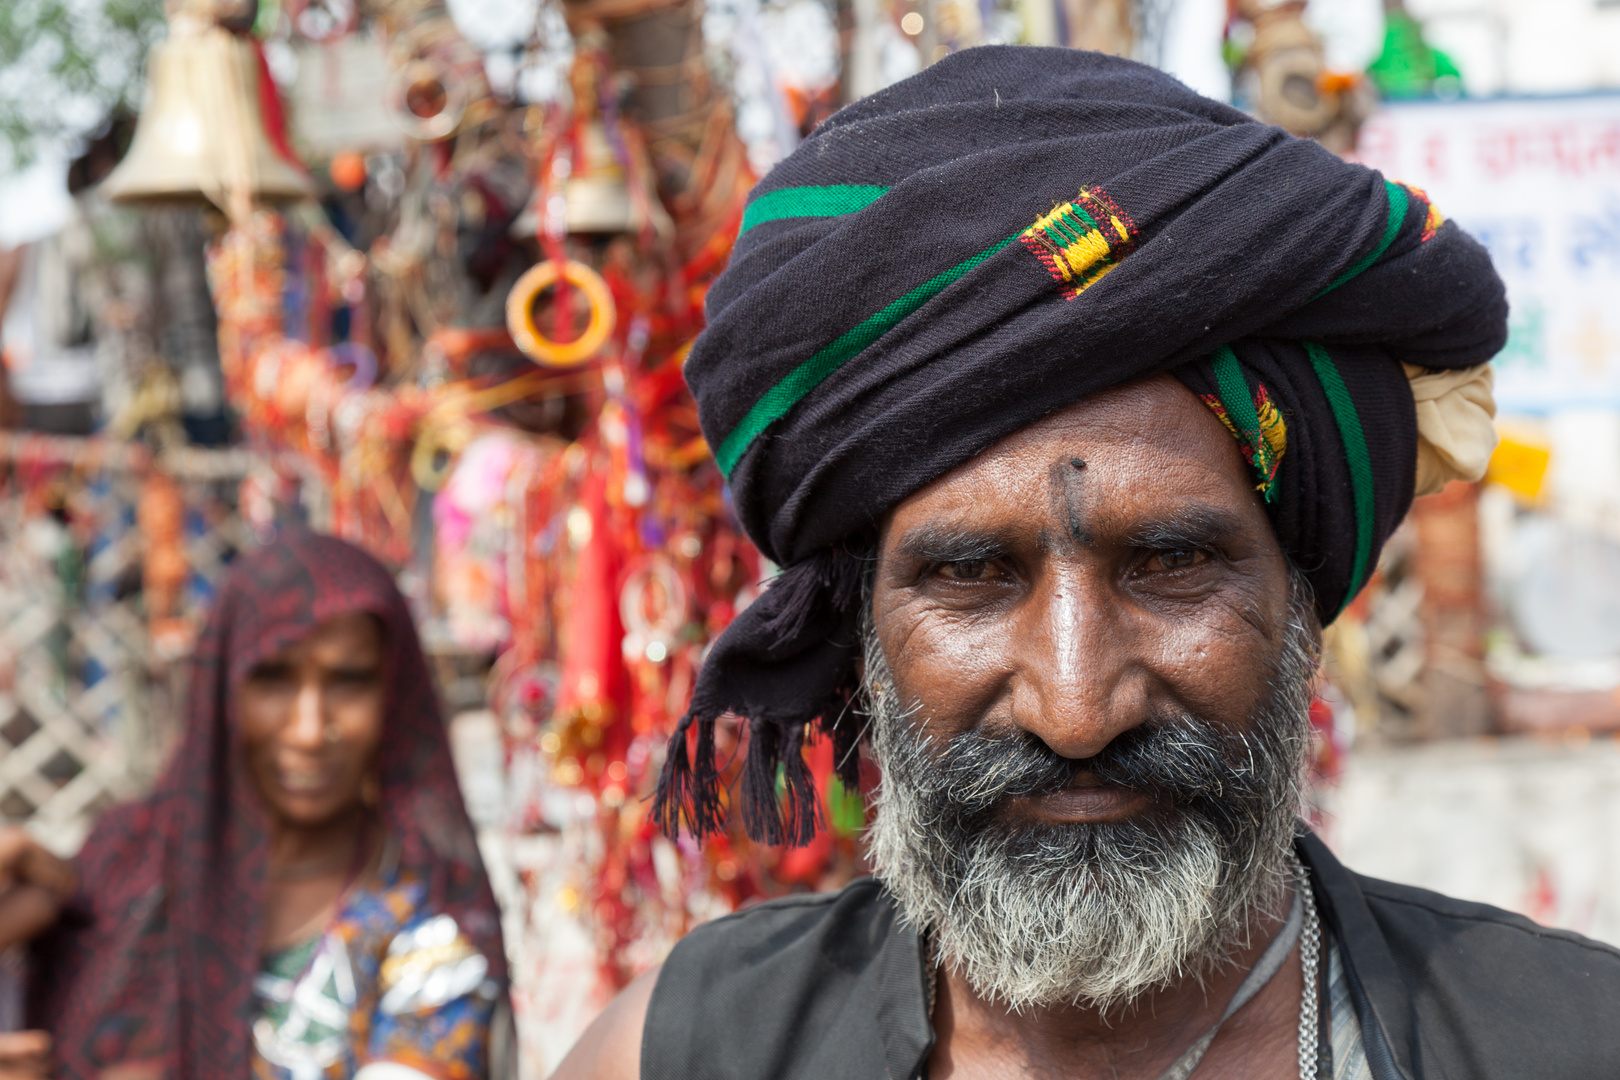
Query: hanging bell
[596,194]
[598,197]
[201,134]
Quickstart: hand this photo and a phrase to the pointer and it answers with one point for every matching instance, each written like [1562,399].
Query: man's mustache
[1176,759]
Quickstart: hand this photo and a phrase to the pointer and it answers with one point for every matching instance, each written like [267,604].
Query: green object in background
[264,24]
[846,810]
[1408,67]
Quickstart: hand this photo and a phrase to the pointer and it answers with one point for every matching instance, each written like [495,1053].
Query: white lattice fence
[86,708]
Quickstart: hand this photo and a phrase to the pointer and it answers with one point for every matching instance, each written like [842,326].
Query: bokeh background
[422,274]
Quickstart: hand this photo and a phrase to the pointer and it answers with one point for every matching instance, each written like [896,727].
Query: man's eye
[1176,560]
[966,570]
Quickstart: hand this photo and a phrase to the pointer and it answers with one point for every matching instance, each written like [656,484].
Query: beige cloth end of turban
[1456,432]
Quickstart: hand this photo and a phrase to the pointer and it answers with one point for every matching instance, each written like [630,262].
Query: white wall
[1525,46]
[1533,827]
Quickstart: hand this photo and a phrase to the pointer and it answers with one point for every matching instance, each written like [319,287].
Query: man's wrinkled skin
[1109,560]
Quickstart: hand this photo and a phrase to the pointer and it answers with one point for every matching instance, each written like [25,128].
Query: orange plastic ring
[527,335]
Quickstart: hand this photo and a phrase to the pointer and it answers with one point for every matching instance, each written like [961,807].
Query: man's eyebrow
[1197,526]
[950,543]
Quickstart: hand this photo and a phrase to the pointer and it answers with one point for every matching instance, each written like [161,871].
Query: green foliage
[65,65]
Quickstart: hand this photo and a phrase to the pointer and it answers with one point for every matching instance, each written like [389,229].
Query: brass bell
[598,197]
[201,134]
[596,193]
[589,175]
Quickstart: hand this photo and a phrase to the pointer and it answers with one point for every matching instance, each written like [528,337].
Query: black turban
[951,259]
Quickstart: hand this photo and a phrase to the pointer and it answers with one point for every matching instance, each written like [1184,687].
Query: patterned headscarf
[155,960]
[956,257]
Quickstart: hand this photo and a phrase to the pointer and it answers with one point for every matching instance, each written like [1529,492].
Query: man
[1073,406]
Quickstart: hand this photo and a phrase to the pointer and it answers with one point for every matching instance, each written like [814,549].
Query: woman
[301,897]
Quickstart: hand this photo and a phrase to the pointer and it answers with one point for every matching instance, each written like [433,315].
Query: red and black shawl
[155,963]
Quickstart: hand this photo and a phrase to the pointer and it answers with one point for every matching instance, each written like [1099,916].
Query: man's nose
[308,726]
[1078,685]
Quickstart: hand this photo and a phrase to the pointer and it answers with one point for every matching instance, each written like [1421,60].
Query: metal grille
[87,704]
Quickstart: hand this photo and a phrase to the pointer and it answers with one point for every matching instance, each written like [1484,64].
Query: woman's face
[311,717]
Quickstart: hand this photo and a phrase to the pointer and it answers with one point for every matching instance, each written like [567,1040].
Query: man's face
[1088,672]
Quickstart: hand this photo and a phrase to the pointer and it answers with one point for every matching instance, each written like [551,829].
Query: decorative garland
[599,566]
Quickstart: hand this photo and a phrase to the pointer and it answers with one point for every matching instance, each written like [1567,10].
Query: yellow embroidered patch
[1272,427]
[1080,241]
[1265,453]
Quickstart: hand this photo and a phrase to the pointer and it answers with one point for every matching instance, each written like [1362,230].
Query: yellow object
[1519,467]
[201,135]
[434,456]
[423,961]
[527,335]
[448,427]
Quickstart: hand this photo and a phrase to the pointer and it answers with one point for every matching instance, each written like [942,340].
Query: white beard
[1040,915]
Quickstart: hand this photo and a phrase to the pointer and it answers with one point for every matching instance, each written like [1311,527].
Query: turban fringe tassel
[687,788]
[806,617]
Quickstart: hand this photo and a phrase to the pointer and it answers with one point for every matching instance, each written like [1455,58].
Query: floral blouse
[388,989]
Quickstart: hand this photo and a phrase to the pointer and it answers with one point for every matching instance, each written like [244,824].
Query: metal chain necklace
[1310,964]
[1303,927]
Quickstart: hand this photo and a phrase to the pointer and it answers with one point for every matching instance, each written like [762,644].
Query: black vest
[832,986]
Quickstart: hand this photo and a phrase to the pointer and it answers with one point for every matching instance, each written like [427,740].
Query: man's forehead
[961,533]
[1149,455]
